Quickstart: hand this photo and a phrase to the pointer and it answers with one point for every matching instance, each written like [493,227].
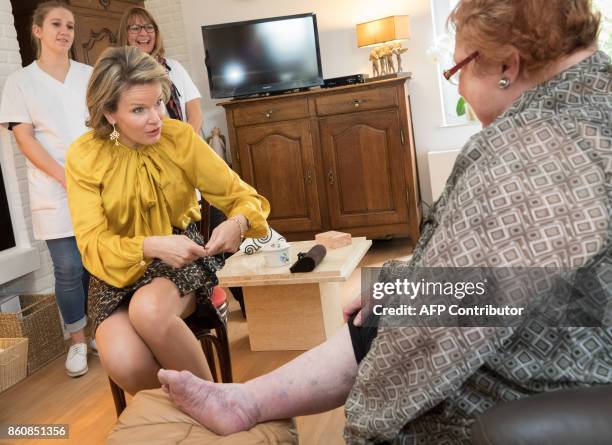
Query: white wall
[340,56]
[13,164]
[169,17]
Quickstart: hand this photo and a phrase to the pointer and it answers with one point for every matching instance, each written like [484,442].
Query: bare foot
[222,408]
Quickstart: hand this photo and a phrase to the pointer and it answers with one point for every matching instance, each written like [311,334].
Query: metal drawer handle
[268,113]
[358,102]
[309,176]
[330,177]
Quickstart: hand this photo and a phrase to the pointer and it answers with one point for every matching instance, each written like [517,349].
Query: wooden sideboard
[331,159]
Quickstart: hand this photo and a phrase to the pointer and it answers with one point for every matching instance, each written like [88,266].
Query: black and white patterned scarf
[173,106]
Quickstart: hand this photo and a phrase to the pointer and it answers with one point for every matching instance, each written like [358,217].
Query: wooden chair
[212,334]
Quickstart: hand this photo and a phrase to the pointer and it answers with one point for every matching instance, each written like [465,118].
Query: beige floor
[86,404]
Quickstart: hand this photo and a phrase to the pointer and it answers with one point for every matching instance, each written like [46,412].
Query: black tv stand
[275,93]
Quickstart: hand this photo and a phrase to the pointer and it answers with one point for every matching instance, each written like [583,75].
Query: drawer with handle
[356,101]
[271,111]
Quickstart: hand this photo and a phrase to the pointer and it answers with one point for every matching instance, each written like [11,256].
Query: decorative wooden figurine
[380,52]
[217,142]
[398,51]
[375,64]
[388,54]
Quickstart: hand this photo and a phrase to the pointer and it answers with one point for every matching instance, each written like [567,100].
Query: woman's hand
[36,153]
[174,250]
[226,237]
[62,179]
[362,305]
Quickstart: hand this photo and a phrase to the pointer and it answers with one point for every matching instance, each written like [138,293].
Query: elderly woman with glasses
[531,189]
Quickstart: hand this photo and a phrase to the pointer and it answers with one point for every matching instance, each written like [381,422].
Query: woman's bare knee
[155,307]
[151,307]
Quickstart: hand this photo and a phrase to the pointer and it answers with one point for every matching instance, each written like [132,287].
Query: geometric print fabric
[533,189]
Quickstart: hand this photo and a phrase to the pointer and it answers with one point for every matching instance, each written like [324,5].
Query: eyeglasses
[448,74]
[135,29]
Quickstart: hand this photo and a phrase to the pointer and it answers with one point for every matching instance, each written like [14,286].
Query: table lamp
[384,36]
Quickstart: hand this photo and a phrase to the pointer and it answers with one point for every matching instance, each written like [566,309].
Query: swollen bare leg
[156,312]
[125,357]
[316,381]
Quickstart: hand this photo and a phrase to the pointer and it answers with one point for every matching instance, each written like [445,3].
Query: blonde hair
[39,16]
[122,38]
[116,70]
[540,32]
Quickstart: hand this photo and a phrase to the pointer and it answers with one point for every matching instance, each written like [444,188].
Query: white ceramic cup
[276,254]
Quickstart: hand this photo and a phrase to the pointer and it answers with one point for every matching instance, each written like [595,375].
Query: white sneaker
[93,347]
[76,362]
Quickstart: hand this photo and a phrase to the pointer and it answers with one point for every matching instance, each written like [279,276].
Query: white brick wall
[40,280]
[169,16]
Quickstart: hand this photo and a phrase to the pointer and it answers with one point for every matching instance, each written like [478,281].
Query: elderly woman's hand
[351,308]
[360,305]
[227,236]
[174,250]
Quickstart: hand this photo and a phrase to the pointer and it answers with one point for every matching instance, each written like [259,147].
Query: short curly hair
[116,70]
[541,31]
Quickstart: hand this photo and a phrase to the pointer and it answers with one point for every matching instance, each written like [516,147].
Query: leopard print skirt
[199,277]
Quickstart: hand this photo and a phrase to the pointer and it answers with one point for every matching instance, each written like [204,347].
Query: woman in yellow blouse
[130,183]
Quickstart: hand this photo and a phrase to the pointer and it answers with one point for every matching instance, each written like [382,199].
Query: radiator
[440,165]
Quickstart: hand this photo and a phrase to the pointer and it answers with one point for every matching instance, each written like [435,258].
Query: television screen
[262,56]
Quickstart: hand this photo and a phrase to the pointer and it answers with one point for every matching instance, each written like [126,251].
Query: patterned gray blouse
[534,188]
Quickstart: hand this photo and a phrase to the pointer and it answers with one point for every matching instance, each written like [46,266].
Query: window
[443,47]
[605,35]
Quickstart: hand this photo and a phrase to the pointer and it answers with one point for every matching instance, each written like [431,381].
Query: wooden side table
[293,311]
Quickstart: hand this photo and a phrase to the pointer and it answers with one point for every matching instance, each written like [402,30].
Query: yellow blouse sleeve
[115,259]
[218,183]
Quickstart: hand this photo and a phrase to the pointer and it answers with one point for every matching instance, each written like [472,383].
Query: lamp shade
[396,27]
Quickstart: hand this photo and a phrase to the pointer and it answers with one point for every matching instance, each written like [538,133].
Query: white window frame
[449,95]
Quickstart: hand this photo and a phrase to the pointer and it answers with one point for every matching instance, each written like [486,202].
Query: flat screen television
[262,56]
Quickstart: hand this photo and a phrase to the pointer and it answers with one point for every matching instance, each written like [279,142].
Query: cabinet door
[362,157]
[278,160]
[94,33]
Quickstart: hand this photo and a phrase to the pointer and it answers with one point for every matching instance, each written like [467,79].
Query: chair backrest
[205,228]
[564,417]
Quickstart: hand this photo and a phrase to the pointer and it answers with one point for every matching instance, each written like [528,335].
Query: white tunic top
[185,86]
[58,112]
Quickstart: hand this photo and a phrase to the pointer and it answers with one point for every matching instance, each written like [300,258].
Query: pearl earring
[114,136]
[503,83]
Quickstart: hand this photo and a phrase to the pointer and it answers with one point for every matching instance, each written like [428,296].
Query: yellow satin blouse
[119,195]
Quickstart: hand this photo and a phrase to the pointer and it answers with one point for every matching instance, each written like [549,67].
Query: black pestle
[308,261]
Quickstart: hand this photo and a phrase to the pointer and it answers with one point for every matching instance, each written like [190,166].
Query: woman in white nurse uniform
[44,105]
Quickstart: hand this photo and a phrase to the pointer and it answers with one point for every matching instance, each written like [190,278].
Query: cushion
[152,419]
[217,297]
